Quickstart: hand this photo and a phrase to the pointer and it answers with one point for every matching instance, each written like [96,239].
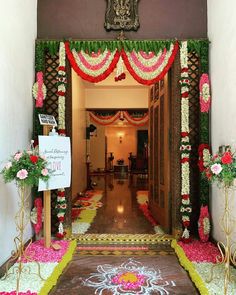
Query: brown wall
[159,19]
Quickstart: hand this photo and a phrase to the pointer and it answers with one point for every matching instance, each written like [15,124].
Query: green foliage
[30,164]
[39,57]
[204,127]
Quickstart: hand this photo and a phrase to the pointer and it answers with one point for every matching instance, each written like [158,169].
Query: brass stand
[227,255]
[22,219]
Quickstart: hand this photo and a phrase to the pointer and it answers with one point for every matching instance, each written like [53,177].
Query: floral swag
[146,68]
[120,115]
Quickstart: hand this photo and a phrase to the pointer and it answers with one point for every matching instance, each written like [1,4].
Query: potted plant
[120,161]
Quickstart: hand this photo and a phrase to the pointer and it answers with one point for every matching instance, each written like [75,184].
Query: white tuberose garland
[185,148]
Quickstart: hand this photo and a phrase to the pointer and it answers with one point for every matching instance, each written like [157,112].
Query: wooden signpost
[56,150]
[47,205]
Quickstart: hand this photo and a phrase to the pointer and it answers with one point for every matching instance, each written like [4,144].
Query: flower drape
[107,120]
[146,68]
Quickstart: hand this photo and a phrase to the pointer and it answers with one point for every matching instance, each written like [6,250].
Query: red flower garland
[159,77]
[85,76]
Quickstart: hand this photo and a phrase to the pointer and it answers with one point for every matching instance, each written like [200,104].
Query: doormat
[143,201]
[198,259]
[52,264]
[85,210]
[107,275]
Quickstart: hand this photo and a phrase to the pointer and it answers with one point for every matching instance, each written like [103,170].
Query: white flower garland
[185,146]
[61,86]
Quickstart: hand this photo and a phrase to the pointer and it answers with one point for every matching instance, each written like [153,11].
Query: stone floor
[86,274]
[120,213]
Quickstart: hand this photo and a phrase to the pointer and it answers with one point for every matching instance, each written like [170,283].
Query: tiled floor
[120,213]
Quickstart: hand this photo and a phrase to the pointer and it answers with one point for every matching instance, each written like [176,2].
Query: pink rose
[8,165]
[44,172]
[22,174]
[17,156]
[216,169]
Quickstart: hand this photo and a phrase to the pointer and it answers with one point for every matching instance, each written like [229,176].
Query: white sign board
[57,151]
[47,120]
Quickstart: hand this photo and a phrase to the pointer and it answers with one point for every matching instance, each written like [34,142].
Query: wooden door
[159,159]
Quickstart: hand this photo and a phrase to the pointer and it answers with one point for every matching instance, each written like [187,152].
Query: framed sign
[47,120]
[57,151]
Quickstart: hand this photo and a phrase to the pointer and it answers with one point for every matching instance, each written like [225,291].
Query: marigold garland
[185,147]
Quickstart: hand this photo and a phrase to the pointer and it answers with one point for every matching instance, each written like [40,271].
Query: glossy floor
[120,212]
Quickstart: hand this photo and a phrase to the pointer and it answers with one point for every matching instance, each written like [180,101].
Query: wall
[78,135]
[97,148]
[18,32]
[117,98]
[158,19]
[222,34]
[128,144]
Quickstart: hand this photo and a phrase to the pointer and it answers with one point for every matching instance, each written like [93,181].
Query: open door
[159,161]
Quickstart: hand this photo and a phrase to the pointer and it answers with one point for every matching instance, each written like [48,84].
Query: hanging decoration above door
[146,67]
[119,115]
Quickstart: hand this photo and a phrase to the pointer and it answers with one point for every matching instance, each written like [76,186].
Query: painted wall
[127,145]
[159,19]
[222,34]
[18,32]
[78,135]
[117,98]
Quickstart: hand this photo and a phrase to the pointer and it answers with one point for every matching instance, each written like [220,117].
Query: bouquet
[221,168]
[26,168]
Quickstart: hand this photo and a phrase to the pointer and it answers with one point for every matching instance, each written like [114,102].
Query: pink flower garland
[205,96]
[39,209]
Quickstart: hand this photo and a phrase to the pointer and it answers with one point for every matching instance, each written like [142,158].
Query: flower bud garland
[61,91]
[185,147]
[61,211]
[39,90]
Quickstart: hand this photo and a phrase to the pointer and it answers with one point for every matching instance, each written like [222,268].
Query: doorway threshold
[123,238]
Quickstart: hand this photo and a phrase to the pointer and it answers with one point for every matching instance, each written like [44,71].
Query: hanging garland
[108,120]
[104,120]
[39,90]
[149,68]
[61,92]
[136,121]
[205,96]
[93,67]
[185,147]
[61,211]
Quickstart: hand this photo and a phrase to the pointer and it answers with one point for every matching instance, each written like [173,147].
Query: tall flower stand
[22,219]
[227,254]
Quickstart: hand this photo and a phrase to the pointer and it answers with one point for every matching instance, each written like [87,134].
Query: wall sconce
[120,208]
[120,135]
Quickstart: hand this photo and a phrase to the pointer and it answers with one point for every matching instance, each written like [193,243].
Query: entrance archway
[149,49]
